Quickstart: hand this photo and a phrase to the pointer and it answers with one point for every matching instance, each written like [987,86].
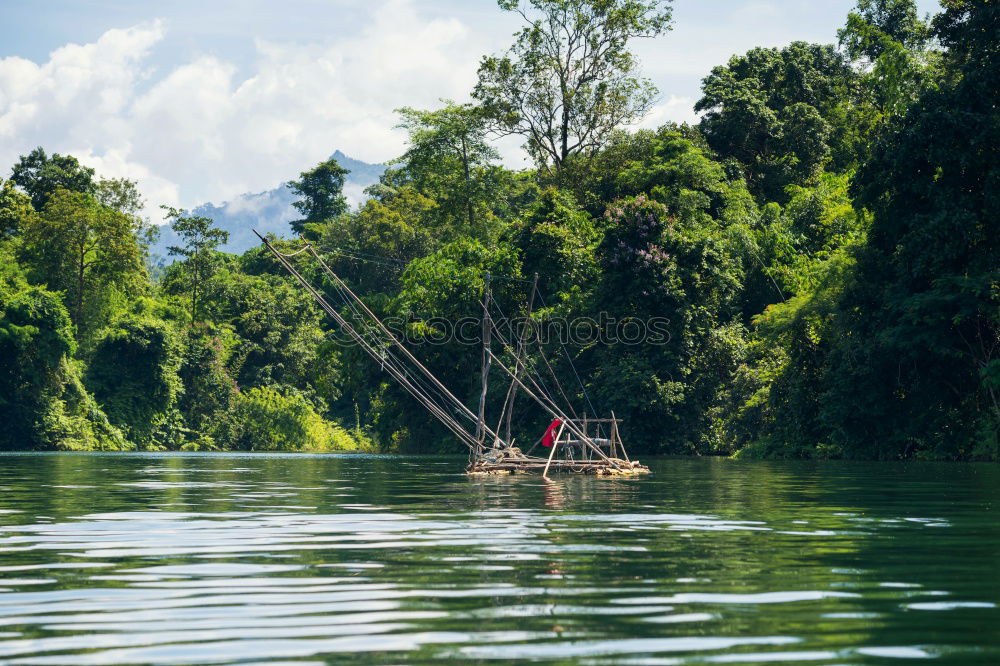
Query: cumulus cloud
[200,131]
[212,124]
[78,100]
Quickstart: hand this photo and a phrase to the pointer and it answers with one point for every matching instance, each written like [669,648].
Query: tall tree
[569,79]
[448,157]
[40,176]
[122,195]
[780,113]
[875,25]
[396,228]
[322,192]
[557,241]
[927,301]
[77,245]
[200,242]
[890,46]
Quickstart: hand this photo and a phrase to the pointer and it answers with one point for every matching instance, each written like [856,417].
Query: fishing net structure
[572,443]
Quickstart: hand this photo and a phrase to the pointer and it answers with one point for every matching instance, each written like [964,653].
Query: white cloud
[79,93]
[674,109]
[200,131]
[114,163]
[215,123]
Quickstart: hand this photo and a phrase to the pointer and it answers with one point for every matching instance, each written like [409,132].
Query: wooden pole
[486,363]
[554,411]
[552,453]
[618,435]
[508,404]
[614,435]
[427,373]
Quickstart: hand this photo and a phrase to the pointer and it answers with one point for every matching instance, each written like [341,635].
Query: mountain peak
[269,211]
[360,171]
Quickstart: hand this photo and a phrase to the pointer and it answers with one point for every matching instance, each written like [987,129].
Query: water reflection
[191,559]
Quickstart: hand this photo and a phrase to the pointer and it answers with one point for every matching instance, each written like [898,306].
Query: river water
[193,559]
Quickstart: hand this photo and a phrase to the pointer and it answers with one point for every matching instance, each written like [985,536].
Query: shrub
[268,420]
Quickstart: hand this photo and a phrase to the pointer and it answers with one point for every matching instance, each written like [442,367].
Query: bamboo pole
[485,368]
[552,453]
[614,435]
[508,403]
[442,416]
[557,413]
[458,403]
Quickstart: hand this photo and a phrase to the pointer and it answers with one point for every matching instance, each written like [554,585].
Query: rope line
[289,256]
[572,366]
[357,255]
[450,423]
[528,364]
[409,355]
[378,342]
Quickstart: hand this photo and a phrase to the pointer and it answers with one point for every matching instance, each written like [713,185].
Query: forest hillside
[819,258]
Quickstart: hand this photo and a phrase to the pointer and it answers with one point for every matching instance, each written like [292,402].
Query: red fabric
[548,439]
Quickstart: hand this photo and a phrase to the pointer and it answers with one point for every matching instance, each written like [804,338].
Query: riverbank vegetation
[823,244]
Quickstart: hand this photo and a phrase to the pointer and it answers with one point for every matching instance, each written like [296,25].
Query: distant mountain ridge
[267,212]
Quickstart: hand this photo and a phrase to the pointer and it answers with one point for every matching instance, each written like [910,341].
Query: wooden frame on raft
[500,456]
[592,459]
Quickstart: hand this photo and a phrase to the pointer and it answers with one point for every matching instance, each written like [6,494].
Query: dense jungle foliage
[822,250]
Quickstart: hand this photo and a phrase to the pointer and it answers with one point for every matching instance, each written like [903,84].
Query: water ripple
[261,559]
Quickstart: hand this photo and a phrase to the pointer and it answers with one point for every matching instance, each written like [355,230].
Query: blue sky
[203,100]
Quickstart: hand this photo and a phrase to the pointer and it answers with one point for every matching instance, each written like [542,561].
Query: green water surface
[203,559]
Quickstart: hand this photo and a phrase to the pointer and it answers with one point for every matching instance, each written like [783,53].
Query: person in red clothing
[548,439]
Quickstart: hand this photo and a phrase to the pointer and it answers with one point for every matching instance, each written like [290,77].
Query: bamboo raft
[584,455]
[573,448]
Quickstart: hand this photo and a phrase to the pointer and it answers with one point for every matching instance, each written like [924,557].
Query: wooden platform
[511,460]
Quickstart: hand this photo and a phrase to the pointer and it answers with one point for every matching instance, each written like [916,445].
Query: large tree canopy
[449,159]
[40,175]
[78,245]
[15,206]
[569,79]
[779,113]
[322,193]
[875,25]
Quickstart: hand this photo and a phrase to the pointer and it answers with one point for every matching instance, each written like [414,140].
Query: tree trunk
[564,135]
[194,304]
[468,182]
[194,295]
[79,288]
